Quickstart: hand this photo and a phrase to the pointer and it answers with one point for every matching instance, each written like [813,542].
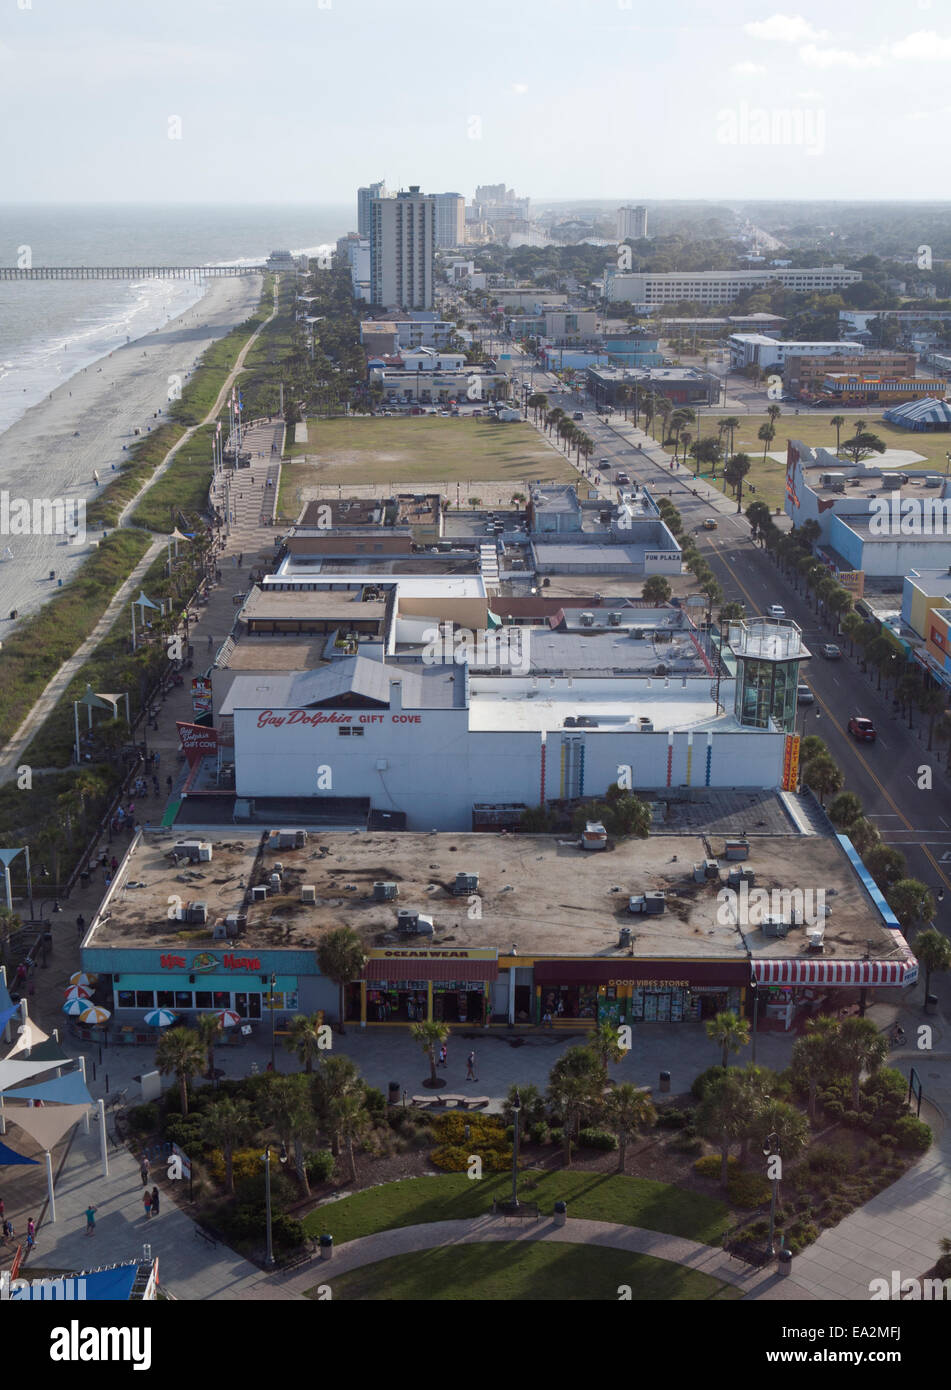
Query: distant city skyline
[232,100]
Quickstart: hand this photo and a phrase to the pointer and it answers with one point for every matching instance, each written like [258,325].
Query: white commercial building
[450,219]
[720,286]
[631,224]
[402,244]
[364,198]
[764,351]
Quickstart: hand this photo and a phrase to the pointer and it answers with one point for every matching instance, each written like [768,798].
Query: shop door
[523,1003]
[650,1008]
[663,1008]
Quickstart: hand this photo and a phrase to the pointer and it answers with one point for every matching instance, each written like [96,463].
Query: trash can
[664,1082]
[561,1213]
[785,1263]
[393,1097]
[931,1004]
[326,1247]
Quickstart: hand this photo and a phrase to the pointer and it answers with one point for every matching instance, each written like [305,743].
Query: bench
[523,1211]
[423,1101]
[202,1234]
[450,1098]
[750,1252]
[470,1101]
[298,1257]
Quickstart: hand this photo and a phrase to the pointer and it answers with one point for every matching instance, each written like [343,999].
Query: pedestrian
[470,1067]
[115,864]
[147,1202]
[546,1019]
[90,1215]
[209,642]
[157,759]
[168,783]
[80,924]
[7,1229]
[144,1170]
[443,1055]
[155,786]
[30,1234]
[155,1201]
[2,1210]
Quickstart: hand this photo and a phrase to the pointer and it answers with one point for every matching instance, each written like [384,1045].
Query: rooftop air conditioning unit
[259,894]
[624,939]
[815,937]
[655,903]
[384,892]
[233,921]
[406,920]
[737,875]
[205,852]
[465,884]
[736,849]
[711,869]
[274,882]
[308,893]
[220,932]
[587,619]
[614,619]
[933,482]
[188,849]
[646,726]
[291,839]
[571,721]
[638,634]
[197,913]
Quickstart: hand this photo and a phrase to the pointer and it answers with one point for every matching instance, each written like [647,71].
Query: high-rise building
[364,197]
[493,193]
[402,243]
[450,219]
[631,224]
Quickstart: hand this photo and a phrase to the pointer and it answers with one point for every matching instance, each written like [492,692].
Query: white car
[776,610]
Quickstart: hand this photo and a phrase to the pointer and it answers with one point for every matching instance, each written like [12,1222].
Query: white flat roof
[411,585]
[617,711]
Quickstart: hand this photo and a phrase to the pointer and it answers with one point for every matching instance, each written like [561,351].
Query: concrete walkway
[366,1250]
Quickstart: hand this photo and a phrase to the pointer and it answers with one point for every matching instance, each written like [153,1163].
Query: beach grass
[516,1271]
[181,494]
[615,1197]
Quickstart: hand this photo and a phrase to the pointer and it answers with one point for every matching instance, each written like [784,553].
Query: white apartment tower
[402,243]
[450,219]
[364,197]
[631,224]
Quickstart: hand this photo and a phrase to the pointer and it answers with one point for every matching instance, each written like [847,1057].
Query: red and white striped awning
[831,973]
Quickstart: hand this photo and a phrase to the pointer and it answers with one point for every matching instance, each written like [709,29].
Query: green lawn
[523,1272]
[419,449]
[816,431]
[597,1196]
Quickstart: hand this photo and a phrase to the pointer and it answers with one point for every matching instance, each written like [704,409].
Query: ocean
[49,330]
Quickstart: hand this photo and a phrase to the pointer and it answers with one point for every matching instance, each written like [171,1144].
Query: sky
[303,100]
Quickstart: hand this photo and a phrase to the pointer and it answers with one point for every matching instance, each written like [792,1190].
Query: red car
[862,729]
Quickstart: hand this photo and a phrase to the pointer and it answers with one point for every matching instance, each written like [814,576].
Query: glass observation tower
[768,652]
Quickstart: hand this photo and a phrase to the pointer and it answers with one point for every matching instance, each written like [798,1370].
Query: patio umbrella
[83,980]
[94,1013]
[77,992]
[160,1018]
[74,1007]
[229,1019]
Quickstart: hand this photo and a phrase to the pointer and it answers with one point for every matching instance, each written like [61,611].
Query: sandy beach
[54,450]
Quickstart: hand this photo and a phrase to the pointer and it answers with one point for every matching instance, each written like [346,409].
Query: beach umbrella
[77,992]
[160,1018]
[95,1013]
[229,1019]
[82,980]
[74,1007]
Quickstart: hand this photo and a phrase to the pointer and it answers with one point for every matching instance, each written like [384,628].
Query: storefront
[632,991]
[792,990]
[416,985]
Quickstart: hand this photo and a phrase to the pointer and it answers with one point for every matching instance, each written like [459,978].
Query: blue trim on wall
[871,887]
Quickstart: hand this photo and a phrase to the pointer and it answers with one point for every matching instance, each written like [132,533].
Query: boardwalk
[128,272]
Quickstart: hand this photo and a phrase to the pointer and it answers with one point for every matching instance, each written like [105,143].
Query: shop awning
[836,973]
[633,971]
[401,968]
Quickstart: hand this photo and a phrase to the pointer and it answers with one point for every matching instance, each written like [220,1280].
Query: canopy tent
[46,1126]
[30,1034]
[70,1087]
[12,1073]
[7,1014]
[49,1051]
[5,1001]
[926,414]
[8,1157]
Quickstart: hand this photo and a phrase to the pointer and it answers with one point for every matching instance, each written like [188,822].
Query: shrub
[822,1159]
[700,1083]
[246,1164]
[747,1189]
[187,1133]
[509,1134]
[485,1131]
[250,1191]
[287,1232]
[852,1118]
[454,1158]
[597,1139]
[833,1108]
[673,1119]
[375,1101]
[888,1143]
[540,1133]
[710,1165]
[557,1135]
[912,1134]
[320,1166]
[800,1234]
[686,1144]
[245,1222]
[144,1118]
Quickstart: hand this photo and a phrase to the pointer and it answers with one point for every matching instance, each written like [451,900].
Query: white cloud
[810,95]
[925,46]
[748,68]
[815,57]
[784,28]
[519,88]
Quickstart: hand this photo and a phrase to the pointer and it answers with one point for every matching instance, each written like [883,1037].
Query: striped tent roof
[925,412]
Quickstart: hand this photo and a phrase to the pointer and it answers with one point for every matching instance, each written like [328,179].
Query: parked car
[709,524]
[830,651]
[862,729]
[776,610]
[804,695]
[577,415]
[621,478]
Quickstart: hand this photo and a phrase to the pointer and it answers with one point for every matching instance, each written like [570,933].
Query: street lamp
[273,1017]
[7,857]
[516,1111]
[754,986]
[269,1255]
[771,1151]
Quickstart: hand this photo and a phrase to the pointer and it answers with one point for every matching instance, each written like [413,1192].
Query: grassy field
[630,1201]
[816,431]
[516,1271]
[418,449]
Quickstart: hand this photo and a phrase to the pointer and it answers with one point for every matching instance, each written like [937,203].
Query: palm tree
[722,1117]
[685,437]
[180,1051]
[626,1110]
[656,589]
[576,1088]
[341,957]
[9,923]
[287,1106]
[352,1121]
[931,703]
[227,1125]
[859,1047]
[304,1040]
[911,902]
[430,1034]
[731,423]
[942,730]
[845,810]
[336,1076]
[852,626]
[838,421]
[208,1027]
[864,836]
[934,953]
[729,1032]
[813,1057]
[839,603]
[605,1043]
[822,775]
[734,472]
[767,434]
[886,865]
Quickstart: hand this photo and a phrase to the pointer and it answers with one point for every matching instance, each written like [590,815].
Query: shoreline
[52,451]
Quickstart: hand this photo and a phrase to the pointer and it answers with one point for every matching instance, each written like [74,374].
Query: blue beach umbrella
[74,1007]
[160,1018]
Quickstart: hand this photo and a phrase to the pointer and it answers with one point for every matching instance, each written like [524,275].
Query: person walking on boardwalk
[147,1202]
[470,1067]
[155,1201]
[145,1170]
[90,1215]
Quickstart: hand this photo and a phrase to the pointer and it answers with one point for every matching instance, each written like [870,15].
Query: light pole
[7,857]
[771,1152]
[269,1255]
[273,1018]
[516,1111]
[754,986]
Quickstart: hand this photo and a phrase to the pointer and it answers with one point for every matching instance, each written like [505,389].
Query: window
[202,998]
[164,999]
[144,998]
[126,999]
[183,999]
[222,999]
